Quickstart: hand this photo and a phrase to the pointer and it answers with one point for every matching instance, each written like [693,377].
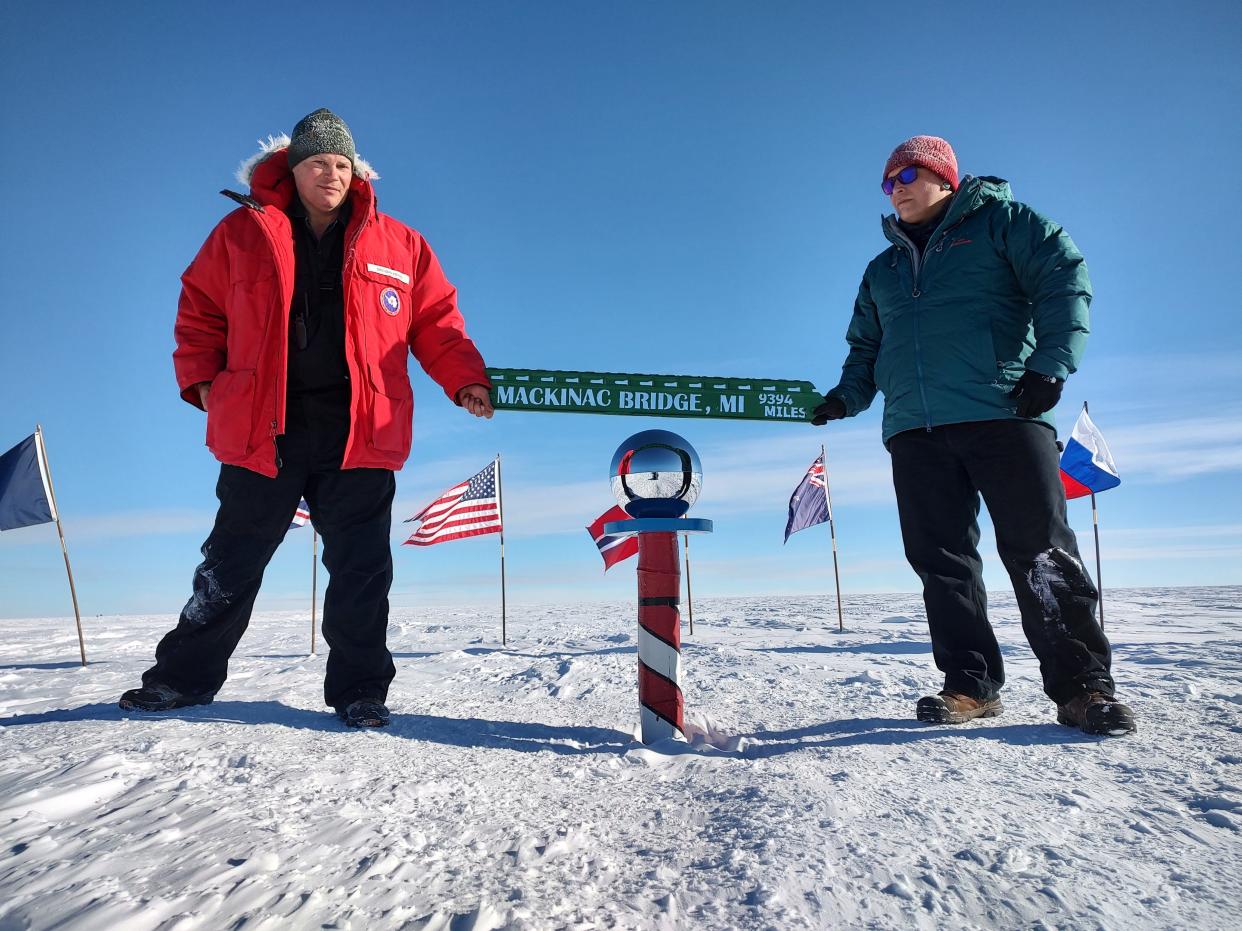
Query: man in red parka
[293,329]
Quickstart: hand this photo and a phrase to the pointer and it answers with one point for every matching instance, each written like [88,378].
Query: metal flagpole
[1095,523]
[500,506]
[46,469]
[689,596]
[1099,581]
[832,529]
[314,581]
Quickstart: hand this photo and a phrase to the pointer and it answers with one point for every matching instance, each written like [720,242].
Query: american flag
[301,516]
[808,505]
[613,548]
[466,510]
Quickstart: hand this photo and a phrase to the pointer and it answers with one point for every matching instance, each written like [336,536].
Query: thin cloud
[1177,449]
[1197,532]
[116,526]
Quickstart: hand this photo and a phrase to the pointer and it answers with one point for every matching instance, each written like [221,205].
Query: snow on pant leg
[939,507]
[1015,465]
[352,510]
[255,511]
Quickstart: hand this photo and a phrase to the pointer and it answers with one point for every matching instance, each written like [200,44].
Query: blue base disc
[626,528]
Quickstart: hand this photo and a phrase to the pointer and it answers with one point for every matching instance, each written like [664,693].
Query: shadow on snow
[528,737]
[853,732]
[458,732]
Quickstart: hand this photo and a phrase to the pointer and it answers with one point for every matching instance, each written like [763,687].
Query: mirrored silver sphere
[656,473]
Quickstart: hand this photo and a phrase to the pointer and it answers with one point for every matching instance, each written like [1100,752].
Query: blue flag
[809,504]
[24,496]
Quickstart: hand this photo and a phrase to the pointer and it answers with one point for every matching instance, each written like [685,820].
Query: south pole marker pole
[656,477]
[661,702]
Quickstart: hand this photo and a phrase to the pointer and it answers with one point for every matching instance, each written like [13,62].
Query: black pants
[351,509]
[939,475]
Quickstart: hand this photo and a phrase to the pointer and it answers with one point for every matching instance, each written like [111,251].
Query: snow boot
[955,708]
[156,697]
[1097,713]
[364,713]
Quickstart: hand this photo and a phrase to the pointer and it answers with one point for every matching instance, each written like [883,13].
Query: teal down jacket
[1000,289]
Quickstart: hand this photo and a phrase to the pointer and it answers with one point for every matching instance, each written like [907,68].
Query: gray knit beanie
[319,133]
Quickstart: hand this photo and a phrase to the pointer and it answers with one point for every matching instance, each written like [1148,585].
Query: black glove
[832,408]
[1036,394]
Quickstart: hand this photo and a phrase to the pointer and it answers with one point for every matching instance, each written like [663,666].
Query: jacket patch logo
[390,301]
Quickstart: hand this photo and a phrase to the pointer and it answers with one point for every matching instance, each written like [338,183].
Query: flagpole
[832,530]
[73,592]
[689,596]
[1095,524]
[314,581]
[500,507]
[1099,581]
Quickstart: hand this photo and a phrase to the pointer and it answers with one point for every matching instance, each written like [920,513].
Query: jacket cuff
[189,382]
[1042,365]
[844,397]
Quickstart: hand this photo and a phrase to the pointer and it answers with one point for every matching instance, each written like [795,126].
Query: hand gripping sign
[656,476]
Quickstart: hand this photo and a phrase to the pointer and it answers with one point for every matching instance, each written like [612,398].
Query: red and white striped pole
[656,477]
[662,706]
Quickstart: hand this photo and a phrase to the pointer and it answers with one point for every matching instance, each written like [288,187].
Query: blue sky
[687,188]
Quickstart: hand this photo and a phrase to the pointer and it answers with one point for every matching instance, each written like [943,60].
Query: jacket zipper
[276,446]
[346,273]
[917,262]
[916,267]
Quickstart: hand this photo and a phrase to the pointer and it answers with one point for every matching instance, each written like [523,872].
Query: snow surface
[510,791]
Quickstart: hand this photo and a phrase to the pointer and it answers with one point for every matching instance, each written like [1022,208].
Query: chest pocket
[892,282]
[385,289]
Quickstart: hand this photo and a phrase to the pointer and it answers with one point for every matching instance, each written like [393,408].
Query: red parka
[232,326]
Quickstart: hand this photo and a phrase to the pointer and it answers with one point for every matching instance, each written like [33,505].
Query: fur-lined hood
[278,143]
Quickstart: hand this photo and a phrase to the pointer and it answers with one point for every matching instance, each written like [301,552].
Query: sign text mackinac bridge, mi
[653,395]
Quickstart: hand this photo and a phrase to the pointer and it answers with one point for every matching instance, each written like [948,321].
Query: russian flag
[1087,466]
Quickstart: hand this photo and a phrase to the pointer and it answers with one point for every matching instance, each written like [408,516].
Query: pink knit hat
[930,152]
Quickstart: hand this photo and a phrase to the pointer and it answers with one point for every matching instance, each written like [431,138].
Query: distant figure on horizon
[294,326]
[969,323]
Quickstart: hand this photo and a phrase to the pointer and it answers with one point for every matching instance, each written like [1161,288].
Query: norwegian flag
[466,510]
[301,517]
[808,505]
[612,547]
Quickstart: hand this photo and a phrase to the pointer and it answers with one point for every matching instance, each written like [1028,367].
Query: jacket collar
[972,194]
[271,184]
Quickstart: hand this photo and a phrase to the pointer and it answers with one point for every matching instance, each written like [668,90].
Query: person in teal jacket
[968,324]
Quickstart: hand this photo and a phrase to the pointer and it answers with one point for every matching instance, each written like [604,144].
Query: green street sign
[653,395]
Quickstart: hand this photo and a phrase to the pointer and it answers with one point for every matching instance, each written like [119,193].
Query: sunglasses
[905,176]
